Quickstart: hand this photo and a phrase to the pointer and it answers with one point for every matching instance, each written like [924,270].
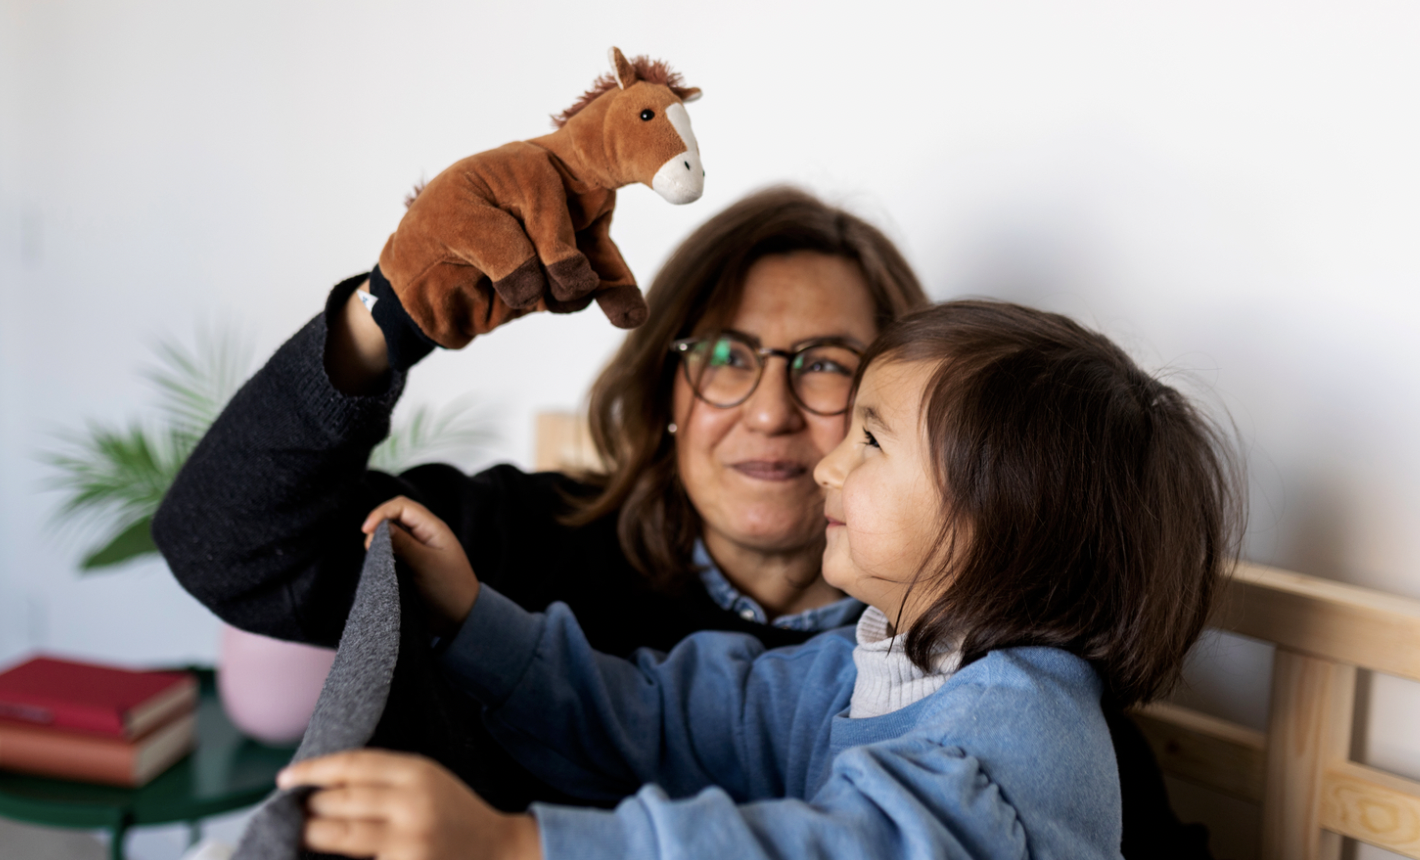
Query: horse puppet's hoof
[623,306]
[572,278]
[523,286]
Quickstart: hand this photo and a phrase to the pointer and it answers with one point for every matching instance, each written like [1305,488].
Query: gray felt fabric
[350,705]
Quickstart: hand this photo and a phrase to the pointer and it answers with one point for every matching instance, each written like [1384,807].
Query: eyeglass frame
[682,346]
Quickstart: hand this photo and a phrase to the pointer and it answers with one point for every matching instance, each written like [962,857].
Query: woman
[710,419]
[707,516]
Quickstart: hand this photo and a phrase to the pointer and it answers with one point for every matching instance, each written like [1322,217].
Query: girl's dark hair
[1088,506]
[698,289]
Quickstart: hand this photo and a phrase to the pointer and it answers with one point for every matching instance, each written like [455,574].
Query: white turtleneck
[888,681]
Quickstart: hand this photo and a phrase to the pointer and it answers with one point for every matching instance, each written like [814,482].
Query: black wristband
[405,342]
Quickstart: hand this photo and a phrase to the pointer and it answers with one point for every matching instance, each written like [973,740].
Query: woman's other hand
[429,547]
[394,806]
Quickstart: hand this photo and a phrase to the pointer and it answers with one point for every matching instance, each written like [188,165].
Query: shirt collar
[840,613]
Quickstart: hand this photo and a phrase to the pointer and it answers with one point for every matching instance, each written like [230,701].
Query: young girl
[1034,523]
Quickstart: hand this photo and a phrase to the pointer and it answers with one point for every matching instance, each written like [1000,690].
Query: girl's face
[882,508]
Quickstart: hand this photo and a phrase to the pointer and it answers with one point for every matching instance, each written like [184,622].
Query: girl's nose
[830,470]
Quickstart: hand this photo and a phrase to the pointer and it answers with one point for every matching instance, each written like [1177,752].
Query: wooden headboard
[563,444]
[1299,772]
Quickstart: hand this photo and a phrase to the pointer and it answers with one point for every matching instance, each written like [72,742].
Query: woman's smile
[771,470]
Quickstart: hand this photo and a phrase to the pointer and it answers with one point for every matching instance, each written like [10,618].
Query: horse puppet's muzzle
[682,178]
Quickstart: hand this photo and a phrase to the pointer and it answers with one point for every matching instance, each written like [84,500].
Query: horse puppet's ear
[625,72]
[686,94]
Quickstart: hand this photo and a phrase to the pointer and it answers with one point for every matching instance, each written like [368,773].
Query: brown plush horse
[526,226]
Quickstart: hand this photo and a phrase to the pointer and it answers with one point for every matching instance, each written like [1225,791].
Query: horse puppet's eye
[648,115]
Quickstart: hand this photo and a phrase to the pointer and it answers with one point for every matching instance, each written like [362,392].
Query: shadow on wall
[1312,527]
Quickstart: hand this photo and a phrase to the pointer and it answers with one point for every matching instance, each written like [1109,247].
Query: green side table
[227,771]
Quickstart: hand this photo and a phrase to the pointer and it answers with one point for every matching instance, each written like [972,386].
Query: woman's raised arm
[262,524]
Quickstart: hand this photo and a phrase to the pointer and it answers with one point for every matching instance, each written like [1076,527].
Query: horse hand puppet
[526,226]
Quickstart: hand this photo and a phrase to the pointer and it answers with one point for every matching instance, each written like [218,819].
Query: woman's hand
[394,806]
[433,553]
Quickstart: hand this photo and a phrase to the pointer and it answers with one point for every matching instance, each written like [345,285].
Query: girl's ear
[686,94]
[625,72]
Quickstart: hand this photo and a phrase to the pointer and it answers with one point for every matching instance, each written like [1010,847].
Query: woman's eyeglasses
[724,370]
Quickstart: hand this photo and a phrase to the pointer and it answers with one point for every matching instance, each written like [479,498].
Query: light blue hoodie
[723,750]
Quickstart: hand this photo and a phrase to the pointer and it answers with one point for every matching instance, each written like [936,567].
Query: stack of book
[94,723]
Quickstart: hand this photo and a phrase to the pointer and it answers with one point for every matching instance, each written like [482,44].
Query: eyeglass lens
[725,370]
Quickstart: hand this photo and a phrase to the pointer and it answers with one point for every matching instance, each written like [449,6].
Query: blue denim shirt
[840,613]
[739,752]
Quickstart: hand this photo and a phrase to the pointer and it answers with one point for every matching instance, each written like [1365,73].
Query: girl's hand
[433,553]
[393,806]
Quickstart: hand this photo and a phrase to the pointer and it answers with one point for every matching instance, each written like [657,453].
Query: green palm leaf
[133,541]
[452,432]
[114,478]
[194,386]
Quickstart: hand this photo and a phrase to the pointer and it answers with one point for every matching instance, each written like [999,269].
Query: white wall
[1229,188]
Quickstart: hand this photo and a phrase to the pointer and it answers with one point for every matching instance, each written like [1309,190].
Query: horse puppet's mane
[648,70]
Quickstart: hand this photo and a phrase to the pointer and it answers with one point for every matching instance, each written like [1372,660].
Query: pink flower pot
[269,687]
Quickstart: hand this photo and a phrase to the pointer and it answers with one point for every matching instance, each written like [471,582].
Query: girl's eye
[869,439]
[648,114]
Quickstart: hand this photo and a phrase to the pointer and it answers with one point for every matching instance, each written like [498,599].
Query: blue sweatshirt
[724,750]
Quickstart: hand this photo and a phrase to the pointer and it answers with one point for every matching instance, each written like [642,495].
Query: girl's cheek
[869,529]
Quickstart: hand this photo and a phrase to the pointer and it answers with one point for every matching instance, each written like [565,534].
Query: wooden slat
[1205,750]
[564,444]
[1372,806]
[1309,733]
[1332,620]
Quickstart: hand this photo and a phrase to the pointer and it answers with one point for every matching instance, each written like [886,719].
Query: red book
[84,697]
[94,758]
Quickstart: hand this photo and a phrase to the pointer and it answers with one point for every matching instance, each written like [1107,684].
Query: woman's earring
[671,428]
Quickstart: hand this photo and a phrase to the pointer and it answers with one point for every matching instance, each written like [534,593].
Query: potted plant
[114,477]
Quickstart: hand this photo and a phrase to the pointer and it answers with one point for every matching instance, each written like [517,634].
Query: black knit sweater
[262,525]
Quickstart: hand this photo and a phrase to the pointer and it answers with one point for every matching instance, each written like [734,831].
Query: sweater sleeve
[716,710]
[917,800]
[262,523]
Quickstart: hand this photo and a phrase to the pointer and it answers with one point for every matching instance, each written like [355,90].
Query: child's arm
[878,805]
[917,800]
[592,724]
[912,799]
[599,727]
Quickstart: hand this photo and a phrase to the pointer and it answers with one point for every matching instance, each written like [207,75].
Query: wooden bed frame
[1300,772]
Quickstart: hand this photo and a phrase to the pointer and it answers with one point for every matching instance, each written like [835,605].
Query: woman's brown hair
[1088,506]
[698,289]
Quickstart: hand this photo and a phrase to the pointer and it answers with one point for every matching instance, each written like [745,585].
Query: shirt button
[747,614]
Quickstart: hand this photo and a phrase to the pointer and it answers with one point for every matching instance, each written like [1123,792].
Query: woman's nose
[771,409]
